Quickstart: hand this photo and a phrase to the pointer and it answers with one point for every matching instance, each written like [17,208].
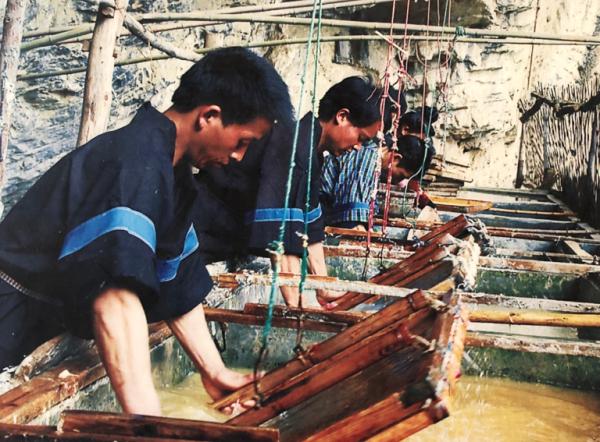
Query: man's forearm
[316,259]
[192,332]
[290,264]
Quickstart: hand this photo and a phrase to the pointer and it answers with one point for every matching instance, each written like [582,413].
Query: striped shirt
[347,184]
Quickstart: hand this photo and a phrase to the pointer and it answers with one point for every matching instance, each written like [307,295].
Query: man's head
[349,114]
[412,157]
[225,101]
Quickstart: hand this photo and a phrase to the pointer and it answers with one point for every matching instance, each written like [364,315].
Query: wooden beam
[351,232]
[537,266]
[12,33]
[97,95]
[514,302]
[161,428]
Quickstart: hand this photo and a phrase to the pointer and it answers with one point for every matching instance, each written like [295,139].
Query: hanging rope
[304,264]
[276,248]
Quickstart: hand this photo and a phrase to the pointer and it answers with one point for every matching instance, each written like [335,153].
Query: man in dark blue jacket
[106,241]
[249,196]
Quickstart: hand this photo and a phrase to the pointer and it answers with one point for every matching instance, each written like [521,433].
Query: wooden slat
[403,429]
[575,248]
[162,427]
[323,350]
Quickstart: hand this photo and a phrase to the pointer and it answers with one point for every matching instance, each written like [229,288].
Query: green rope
[304,267]
[277,247]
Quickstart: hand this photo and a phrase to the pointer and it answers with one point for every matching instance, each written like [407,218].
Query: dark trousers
[25,323]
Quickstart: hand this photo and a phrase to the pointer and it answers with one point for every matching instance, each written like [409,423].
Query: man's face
[398,172]
[343,136]
[215,144]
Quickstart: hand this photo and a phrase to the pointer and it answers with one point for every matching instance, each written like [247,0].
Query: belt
[27,292]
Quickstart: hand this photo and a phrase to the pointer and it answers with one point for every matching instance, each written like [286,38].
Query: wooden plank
[367,422]
[30,399]
[455,227]
[533,344]
[332,370]
[461,205]
[97,95]
[530,213]
[162,428]
[537,266]
[348,318]
[29,433]
[575,248]
[323,350]
[529,303]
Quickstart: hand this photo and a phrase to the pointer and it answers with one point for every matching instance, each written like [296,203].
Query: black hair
[395,97]
[357,94]
[242,83]
[412,120]
[413,150]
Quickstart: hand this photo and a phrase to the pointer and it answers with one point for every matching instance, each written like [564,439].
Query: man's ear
[342,116]
[208,114]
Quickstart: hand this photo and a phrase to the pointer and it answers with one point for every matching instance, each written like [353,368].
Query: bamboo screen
[571,155]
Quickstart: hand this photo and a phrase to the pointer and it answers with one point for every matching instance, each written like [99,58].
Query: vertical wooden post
[97,95]
[12,34]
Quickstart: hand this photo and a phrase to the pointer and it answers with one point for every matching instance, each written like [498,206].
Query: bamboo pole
[70,35]
[9,62]
[552,319]
[97,95]
[157,56]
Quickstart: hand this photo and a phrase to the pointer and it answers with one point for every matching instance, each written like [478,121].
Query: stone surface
[484,85]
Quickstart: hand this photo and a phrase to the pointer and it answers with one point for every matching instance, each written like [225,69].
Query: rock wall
[485,80]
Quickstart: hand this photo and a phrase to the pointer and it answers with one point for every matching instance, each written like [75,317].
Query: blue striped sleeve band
[280,214]
[119,218]
[167,269]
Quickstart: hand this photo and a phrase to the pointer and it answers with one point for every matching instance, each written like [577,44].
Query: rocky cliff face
[485,81]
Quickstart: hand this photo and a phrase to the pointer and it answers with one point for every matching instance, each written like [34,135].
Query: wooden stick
[12,33]
[137,29]
[97,95]
[321,351]
[313,283]
[161,427]
[333,370]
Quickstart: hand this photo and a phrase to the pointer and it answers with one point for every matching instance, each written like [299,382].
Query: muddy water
[501,410]
[484,410]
